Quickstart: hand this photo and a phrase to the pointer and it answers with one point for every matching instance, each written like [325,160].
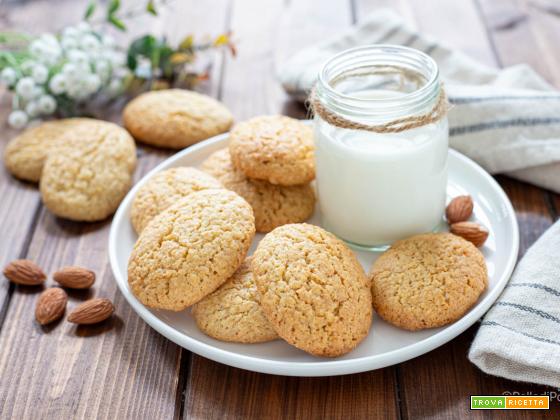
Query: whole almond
[51,305]
[92,311]
[459,209]
[25,272]
[471,231]
[74,277]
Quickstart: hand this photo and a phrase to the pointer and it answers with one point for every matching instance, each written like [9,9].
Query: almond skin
[75,277]
[459,209]
[471,231]
[25,272]
[91,311]
[51,305]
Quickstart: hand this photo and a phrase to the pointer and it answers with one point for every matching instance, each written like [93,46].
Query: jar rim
[379,54]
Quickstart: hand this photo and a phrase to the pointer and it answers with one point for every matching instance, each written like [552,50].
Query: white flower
[27,66]
[69,42]
[18,119]
[70,32]
[32,109]
[37,48]
[8,76]
[49,39]
[24,87]
[89,43]
[108,41]
[121,72]
[70,71]
[115,87]
[78,57]
[118,59]
[57,84]
[92,83]
[83,27]
[40,73]
[38,91]
[47,104]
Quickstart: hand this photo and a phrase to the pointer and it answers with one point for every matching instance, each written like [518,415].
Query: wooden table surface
[123,368]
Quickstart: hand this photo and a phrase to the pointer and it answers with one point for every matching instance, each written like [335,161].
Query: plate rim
[328,367]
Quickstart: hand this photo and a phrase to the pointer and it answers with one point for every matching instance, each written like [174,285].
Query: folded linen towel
[519,338]
[507,120]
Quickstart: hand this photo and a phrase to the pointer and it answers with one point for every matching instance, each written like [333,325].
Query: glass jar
[381,140]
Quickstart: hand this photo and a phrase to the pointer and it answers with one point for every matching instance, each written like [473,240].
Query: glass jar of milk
[381,140]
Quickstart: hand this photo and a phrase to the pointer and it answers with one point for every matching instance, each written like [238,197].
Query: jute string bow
[438,111]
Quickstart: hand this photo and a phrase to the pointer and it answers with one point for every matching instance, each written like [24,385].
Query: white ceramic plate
[385,345]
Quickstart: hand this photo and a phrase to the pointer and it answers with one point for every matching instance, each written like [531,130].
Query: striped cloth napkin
[519,338]
[507,120]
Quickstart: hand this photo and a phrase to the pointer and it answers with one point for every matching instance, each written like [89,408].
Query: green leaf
[90,9]
[116,22]
[142,46]
[113,7]
[151,8]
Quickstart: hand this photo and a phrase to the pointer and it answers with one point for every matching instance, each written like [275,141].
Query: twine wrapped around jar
[438,111]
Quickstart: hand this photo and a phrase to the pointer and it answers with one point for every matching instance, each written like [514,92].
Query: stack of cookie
[270,164]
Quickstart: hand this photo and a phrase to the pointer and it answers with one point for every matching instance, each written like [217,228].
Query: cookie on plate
[274,148]
[175,118]
[273,205]
[312,289]
[164,189]
[427,280]
[232,312]
[87,174]
[25,154]
[190,249]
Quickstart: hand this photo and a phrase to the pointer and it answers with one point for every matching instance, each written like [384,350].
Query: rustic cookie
[175,118]
[273,205]
[25,154]
[164,189]
[90,171]
[190,249]
[232,312]
[276,149]
[312,289]
[427,280]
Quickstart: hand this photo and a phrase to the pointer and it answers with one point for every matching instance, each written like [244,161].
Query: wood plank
[121,368]
[250,88]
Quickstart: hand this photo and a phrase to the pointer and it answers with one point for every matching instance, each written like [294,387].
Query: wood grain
[121,368]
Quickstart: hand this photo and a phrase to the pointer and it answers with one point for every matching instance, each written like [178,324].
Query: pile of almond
[457,213]
[52,302]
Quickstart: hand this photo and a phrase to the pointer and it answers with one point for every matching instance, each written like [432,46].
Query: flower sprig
[62,73]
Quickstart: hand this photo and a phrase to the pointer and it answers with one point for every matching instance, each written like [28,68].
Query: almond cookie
[89,172]
[427,280]
[276,149]
[232,312]
[190,249]
[273,205]
[312,289]
[25,154]
[175,118]
[164,189]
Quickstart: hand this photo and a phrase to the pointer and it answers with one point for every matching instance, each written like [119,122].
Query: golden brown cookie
[427,280]
[232,312]
[312,289]
[164,189]
[175,118]
[273,205]
[190,249]
[25,154]
[88,173]
[274,148]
